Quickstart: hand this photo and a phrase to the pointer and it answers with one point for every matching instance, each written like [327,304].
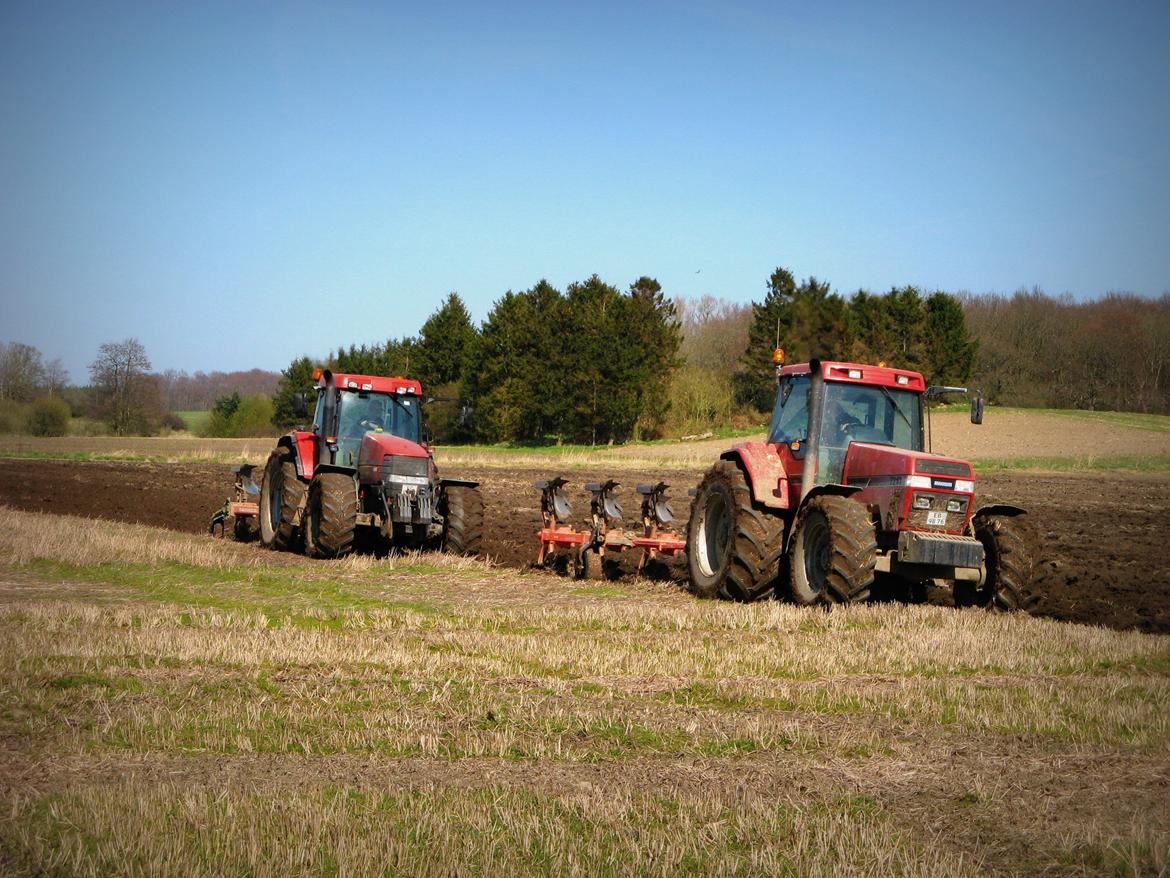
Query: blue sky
[239,183]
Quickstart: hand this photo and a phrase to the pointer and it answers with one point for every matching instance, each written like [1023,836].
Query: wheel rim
[714,534]
[816,551]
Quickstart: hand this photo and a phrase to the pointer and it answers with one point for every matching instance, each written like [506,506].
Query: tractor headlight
[965,485]
[954,506]
[921,501]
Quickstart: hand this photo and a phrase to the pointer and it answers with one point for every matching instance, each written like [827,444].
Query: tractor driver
[362,414]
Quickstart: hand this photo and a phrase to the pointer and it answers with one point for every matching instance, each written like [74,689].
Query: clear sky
[238,183]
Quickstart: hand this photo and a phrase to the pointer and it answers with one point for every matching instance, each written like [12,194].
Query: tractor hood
[865,462]
[375,448]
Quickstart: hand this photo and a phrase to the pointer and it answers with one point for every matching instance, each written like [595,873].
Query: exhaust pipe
[816,396]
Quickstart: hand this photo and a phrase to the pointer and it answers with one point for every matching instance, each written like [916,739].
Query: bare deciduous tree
[121,390]
[22,371]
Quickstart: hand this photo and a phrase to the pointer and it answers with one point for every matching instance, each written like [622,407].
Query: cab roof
[860,373]
[374,383]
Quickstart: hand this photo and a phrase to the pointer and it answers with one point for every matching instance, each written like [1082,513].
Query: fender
[457,483]
[999,509]
[302,444]
[765,473]
[833,490]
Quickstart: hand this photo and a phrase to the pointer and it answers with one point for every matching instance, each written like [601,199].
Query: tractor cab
[363,412]
[356,412]
[846,409]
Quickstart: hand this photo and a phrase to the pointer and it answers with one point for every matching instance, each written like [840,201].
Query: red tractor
[364,466]
[842,497]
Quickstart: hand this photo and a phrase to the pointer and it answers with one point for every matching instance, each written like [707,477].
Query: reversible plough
[584,552]
[243,508]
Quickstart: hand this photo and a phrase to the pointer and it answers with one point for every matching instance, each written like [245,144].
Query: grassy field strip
[437,716]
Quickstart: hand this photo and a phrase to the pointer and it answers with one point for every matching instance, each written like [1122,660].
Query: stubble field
[175,704]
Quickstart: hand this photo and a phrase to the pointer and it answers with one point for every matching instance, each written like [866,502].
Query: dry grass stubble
[547,730]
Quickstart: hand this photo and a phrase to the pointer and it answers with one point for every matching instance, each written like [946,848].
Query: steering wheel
[370,425]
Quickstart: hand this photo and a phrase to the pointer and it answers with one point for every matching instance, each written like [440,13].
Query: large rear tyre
[462,508]
[833,552]
[734,545]
[331,516]
[281,498]
[1010,550]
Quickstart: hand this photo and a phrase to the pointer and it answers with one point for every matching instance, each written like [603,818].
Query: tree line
[1111,353]
[594,364]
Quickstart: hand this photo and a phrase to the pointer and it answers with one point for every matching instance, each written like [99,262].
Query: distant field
[179,705]
[1008,439]
[195,421]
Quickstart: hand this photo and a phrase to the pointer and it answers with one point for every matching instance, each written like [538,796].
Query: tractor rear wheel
[1009,547]
[331,516]
[734,545]
[833,552]
[281,497]
[462,508]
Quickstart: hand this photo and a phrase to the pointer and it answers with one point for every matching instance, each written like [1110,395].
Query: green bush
[234,417]
[13,416]
[50,417]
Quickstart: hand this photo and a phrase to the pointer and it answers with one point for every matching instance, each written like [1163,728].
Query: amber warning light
[778,356]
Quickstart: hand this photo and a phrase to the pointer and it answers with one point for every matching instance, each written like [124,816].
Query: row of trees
[589,364]
[198,391]
[902,328]
[1036,350]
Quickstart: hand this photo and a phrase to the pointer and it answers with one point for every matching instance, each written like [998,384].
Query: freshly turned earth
[1105,556]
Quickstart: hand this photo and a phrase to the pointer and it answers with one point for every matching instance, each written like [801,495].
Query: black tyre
[1010,550]
[462,509]
[244,530]
[734,545]
[592,566]
[281,499]
[331,516]
[833,552]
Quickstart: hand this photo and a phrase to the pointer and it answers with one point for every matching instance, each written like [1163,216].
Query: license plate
[936,518]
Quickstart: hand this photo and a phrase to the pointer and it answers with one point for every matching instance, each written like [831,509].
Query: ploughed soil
[1105,554]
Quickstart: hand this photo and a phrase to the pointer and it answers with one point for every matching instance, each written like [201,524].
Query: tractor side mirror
[466,416]
[976,409]
[300,404]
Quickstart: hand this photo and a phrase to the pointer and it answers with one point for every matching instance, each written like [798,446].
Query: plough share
[584,552]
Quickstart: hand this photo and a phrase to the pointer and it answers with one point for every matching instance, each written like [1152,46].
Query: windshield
[865,413]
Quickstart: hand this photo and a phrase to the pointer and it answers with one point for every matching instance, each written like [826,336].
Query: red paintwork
[374,448]
[891,503]
[867,460]
[305,448]
[768,467]
[375,383]
[871,375]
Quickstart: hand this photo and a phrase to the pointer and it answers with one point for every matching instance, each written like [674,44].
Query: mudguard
[303,446]
[765,473]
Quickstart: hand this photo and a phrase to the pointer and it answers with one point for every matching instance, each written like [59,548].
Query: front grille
[943,468]
[951,519]
[401,465]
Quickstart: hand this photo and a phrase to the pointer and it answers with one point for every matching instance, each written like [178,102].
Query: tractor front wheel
[462,508]
[734,545]
[1009,549]
[281,497]
[331,517]
[833,552]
